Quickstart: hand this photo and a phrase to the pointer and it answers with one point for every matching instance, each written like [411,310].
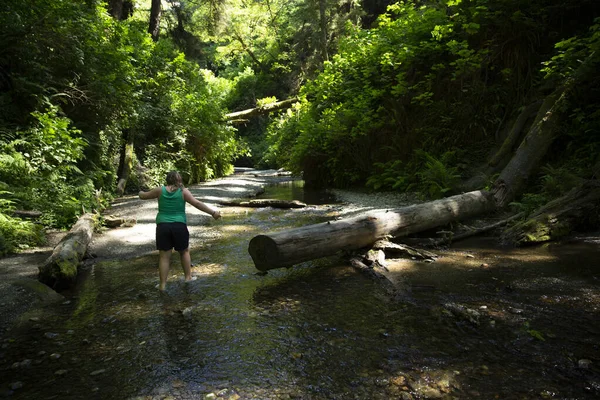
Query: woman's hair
[174,179]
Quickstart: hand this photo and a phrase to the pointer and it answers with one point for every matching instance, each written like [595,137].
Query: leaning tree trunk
[293,246]
[532,150]
[60,269]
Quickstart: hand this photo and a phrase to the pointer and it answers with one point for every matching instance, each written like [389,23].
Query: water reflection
[319,330]
[295,190]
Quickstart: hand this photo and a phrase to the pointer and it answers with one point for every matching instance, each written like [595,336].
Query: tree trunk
[125,163]
[239,38]
[515,132]
[323,30]
[60,269]
[532,150]
[293,246]
[120,9]
[155,14]
[260,110]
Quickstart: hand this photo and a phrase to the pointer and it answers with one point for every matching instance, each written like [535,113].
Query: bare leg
[164,261]
[186,263]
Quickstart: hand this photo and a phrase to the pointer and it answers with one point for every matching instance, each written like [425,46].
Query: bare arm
[151,194]
[189,197]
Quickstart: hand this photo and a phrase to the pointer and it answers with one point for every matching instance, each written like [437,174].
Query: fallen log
[578,210]
[114,221]
[29,214]
[267,108]
[275,203]
[293,246]
[60,269]
[286,248]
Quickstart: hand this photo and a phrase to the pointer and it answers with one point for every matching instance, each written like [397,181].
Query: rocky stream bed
[481,322]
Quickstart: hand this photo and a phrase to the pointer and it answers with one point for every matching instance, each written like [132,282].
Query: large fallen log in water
[286,248]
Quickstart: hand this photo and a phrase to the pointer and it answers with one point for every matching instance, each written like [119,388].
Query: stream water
[482,322]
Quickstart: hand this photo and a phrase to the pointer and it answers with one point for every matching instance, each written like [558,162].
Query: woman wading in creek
[171,224]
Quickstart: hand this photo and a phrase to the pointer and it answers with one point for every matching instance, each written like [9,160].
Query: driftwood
[60,269]
[113,221]
[394,250]
[371,272]
[27,214]
[293,246]
[275,203]
[267,108]
[451,238]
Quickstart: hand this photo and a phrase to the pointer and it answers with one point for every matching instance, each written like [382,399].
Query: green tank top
[171,207]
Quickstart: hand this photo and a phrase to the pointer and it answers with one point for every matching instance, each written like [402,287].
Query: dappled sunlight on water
[473,325]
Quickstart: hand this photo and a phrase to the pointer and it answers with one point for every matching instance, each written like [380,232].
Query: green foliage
[16,234]
[529,202]
[436,177]
[435,76]
[390,176]
[73,81]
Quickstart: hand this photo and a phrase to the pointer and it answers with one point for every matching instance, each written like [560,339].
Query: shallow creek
[482,322]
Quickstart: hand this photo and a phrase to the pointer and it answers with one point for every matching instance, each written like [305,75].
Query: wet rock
[41,353]
[61,372]
[398,380]
[428,392]
[23,364]
[463,312]
[97,372]
[584,363]
[210,396]
[16,385]
[55,356]
[51,335]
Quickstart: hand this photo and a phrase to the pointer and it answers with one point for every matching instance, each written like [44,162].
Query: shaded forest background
[99,98]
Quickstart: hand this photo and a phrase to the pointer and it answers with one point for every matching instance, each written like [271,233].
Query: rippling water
[500,323]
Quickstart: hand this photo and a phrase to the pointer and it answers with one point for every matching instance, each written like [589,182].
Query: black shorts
[171,235]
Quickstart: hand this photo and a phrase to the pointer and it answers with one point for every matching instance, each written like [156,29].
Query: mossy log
[286,248]
[266,109]
[60,269]
[578,210]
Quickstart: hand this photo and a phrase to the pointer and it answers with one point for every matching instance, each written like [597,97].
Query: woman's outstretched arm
[189,197]
[151,194]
